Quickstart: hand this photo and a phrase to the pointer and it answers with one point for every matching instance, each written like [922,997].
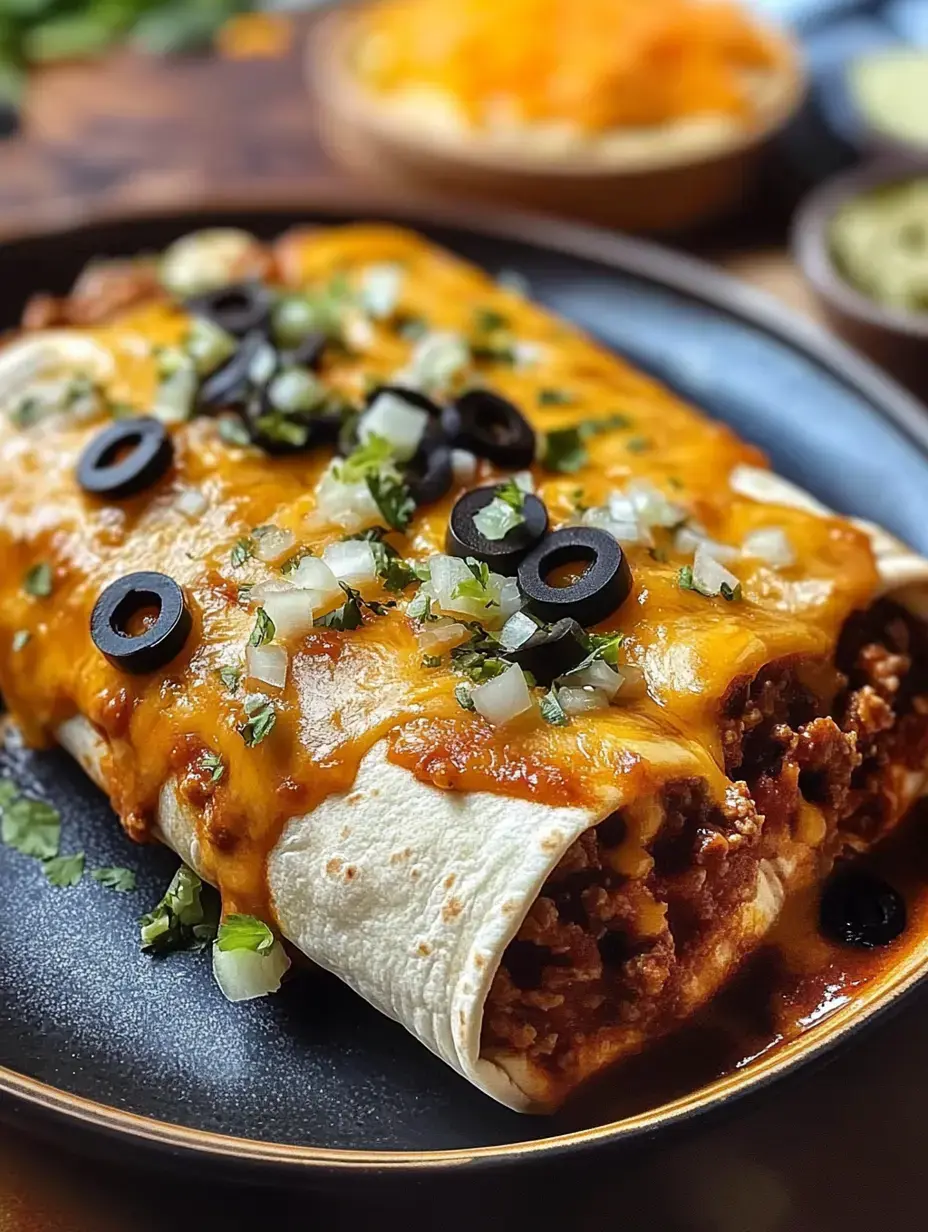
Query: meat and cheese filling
[440,640]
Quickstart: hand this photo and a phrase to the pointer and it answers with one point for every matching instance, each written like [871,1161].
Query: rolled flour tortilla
[411,894]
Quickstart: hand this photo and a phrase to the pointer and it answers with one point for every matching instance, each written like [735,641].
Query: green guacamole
[879,242]
[890,88]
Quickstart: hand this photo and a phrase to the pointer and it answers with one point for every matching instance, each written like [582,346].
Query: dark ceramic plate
[95,1035]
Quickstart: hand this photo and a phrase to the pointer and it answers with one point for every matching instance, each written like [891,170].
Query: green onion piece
[208,345]
[181,920]
[244,932]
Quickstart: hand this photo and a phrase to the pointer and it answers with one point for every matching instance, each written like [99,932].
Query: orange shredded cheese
[598,64]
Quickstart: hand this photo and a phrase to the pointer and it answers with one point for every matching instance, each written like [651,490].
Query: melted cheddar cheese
[347,690]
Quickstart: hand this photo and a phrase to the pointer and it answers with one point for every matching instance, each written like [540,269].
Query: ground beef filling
[603,948]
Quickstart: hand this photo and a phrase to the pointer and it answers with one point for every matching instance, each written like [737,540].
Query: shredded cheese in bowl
[570,72]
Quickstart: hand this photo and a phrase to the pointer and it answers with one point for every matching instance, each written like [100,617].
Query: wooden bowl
[897,340]
[644,190]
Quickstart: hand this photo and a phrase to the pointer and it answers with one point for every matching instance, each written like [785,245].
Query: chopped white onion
[191,503]
[267,664]
[347,505]
[528,354]
[463,465]
[709,574]
[55,355]
[770,544]
[436,637]
[204,260]
[581,700]
[244,974]
[598,675]
[524,480]
[351,561]
[499,700]
[497,519]
[262,591]
[397,421]
[175,395]
[314,576]
[625,529]
[271,543]
[651,506]
[435,361]
[517,630]
[357,331]
[380,289]
[291,610]
[510,597]
[634,682]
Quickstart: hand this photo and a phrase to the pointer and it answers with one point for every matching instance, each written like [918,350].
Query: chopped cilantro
[20,639]
[275,426]
[497,351]
[431,661]
[38,580]
[393,499]
[731,593]
[264,629]
[8,792]
[181,920]
[554,397]
[122,880]
[488,320]
[259,721]
[420,608]
[244,932]
[350,614]
[64,870]
[675,482]
[232,431]
[478,658]
[243,549]
[551,710]
[564,450]
[658,554]
[462,693]
[214,765]
[230,677]
[411,327]
[31,827]
[367,459]
[638,444]
[512,494]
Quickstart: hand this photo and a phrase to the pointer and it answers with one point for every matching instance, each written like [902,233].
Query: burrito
[457,654]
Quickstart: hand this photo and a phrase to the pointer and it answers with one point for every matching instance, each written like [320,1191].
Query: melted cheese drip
[346,691]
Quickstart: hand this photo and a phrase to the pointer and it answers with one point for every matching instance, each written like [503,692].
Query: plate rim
[651,263]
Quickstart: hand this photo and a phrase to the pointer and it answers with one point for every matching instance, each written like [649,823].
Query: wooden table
[134,131]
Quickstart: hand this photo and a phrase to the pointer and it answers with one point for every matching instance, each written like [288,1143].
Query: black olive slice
[603,587]
[429,474]
[238,309]
[157,644]
[230,385]
[491,427]
[308,353]
[125,458]
[502,555]
[553,652]
[858,908]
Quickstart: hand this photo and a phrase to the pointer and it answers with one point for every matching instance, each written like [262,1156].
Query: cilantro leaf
[431,661]
[261,716]
[181,920]
[31,827]
[241,552]
[367,459]
[488,320]
[244,932]
[551,710]
[392,498]
[120,879]
[231,677]
[462,693]
[264,629]
[638,444]
[564,450]
[214,765]
[64,870]
[38,580]
[554,397]
[232,431]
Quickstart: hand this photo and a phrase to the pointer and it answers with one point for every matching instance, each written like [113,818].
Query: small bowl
[897,340]
[667,192]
